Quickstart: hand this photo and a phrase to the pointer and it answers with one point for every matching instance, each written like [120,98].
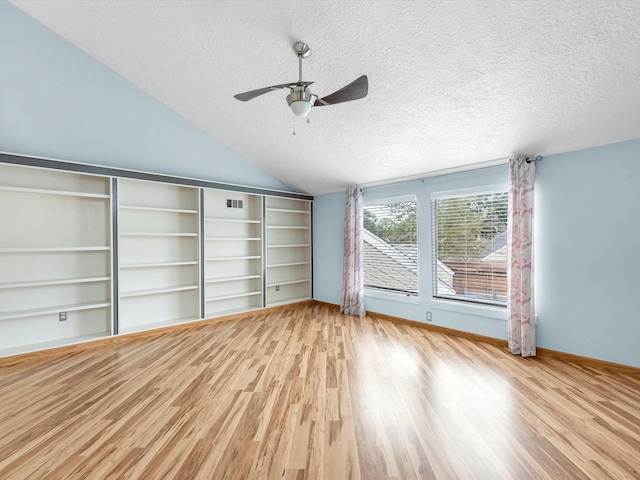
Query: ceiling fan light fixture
[301,100]
[300,108]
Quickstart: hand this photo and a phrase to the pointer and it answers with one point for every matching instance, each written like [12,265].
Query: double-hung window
[390,241]
[469,245]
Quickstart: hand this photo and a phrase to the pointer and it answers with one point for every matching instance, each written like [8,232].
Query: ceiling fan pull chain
[294,125]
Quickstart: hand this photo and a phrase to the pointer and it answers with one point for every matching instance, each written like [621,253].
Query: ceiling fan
[301,100]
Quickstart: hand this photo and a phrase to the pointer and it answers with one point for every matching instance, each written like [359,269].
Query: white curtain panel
[352,302]
[521,308]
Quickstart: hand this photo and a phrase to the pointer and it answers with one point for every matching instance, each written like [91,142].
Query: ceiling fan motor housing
[301,100]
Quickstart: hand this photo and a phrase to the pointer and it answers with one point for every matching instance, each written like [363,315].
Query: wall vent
[234,203]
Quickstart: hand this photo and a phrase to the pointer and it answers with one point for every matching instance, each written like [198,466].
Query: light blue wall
[58,102]
[587,229]
[328,240]
[587,252]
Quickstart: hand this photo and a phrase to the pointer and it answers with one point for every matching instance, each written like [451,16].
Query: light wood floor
[308,393]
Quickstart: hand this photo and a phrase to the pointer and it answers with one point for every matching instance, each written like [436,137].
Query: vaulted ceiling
[451,83]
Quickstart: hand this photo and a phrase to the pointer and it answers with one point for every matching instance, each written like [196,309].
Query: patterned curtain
[352,302]
[520,309]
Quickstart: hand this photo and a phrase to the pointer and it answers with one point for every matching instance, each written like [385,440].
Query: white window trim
[403,198]
[463,192]
[392,296]
[490,311]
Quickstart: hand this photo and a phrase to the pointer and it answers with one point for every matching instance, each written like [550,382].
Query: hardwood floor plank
[304,392]
[341,452]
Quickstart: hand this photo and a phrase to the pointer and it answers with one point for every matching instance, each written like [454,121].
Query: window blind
[470,247]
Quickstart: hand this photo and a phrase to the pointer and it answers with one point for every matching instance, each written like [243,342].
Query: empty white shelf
[54,249]
[155,325]
[287,210]
[156,291]
[235,239]
[288,227]
[232,220]
[45,283]
[235,295]
[287,264]
[53,192]
[63,342]
[55,309]
[157,209]
[157,234]
[299,245]
[222,313]
[287,301]
[289,282]
[232,279]
[246,257]
[159,264]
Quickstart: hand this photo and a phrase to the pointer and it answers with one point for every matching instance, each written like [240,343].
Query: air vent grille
[234,203]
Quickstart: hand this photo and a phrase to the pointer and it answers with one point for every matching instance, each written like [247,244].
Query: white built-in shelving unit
[288,251]
[55,258]
[92,252]
[158,251]
[232,251]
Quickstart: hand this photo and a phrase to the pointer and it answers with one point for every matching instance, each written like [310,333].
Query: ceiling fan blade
[246,96]
[354,91]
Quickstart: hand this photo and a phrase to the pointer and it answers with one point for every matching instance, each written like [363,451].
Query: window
[390,240]
[470,246]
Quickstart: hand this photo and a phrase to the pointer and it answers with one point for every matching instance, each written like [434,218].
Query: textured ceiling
[451,83]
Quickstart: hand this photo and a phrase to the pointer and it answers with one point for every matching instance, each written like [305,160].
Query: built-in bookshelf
[158,251]
[55,258]
[91,252]
[288,250]
[232,251]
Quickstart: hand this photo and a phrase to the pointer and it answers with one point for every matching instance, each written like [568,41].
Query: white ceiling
[451,83]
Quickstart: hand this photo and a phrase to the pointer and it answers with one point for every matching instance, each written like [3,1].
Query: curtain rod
[445,171]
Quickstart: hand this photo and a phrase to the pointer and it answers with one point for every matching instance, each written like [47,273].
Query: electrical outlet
[429,317]
[62,317]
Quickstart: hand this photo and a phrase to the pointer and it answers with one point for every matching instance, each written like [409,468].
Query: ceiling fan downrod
[300,100]
[302,51]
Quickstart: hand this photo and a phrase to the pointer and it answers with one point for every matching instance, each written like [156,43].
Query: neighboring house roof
[410,250]
[499,255]
[498,242]
[498,249]
[395,266]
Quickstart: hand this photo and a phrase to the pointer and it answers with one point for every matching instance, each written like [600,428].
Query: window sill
[499,313]
[393,296]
